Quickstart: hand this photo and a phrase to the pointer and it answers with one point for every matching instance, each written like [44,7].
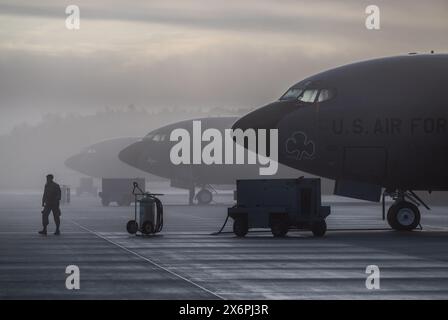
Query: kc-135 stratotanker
[378,128]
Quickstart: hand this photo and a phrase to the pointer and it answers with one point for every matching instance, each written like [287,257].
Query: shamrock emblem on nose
[300,146]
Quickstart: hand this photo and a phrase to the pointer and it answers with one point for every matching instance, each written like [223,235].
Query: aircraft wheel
[132,226]
[319,228]
[204,196]
[403,216]
[279,227]
[240,227]
[147,227]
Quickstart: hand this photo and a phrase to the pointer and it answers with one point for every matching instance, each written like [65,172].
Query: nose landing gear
[404,214]
[203,197]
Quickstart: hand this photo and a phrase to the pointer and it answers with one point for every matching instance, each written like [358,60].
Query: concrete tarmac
[186,262]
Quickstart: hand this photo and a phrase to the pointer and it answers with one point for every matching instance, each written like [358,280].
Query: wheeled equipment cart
[279,204]
[148,213]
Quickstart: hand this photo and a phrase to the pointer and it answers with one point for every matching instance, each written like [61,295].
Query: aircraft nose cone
[73,162]
[266,117]
[133,154]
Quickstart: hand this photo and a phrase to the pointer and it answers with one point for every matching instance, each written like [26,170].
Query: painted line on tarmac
[435,228]
[148,260]
[34,233]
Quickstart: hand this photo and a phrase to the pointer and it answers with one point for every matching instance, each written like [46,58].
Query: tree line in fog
[31,151]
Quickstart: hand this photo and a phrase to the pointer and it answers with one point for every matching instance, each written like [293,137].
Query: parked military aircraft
[369,125]
[152,155]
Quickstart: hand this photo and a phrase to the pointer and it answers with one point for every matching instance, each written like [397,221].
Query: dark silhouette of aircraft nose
[74,162]
[266,117]
[134,154]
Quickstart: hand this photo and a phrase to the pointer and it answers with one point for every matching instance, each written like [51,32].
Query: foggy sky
[185,53]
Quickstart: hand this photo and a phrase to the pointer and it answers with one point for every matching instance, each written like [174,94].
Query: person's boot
[43,232]
[57,232]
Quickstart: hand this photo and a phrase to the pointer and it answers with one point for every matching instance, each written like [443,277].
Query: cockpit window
[159,137]
[155,137]
[292,94]
[309,95]
[91,150]
[325,94]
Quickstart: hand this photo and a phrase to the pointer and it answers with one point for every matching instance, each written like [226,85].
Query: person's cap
[50,176]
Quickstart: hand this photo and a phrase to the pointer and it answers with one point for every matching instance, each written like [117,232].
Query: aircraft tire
[204,196]
[403,216]
[390,217]
[319,228]
[240,227]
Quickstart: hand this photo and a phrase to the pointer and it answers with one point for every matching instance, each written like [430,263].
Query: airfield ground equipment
[117,190]
[86,186]
[279,204]
[148,212]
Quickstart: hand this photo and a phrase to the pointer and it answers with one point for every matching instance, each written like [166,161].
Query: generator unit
[148,213]
[279,204]
[86,186]
[117,190]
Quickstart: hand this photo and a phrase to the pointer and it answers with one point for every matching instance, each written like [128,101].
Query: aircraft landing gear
[204,196]
[404,214]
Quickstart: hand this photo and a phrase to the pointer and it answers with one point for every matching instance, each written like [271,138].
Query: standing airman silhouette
[50,202]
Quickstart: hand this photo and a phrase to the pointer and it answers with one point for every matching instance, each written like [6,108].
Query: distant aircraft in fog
[100,160]
[369,125]
[152,154]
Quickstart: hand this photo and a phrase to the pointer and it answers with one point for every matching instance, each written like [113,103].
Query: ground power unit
[279,204]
